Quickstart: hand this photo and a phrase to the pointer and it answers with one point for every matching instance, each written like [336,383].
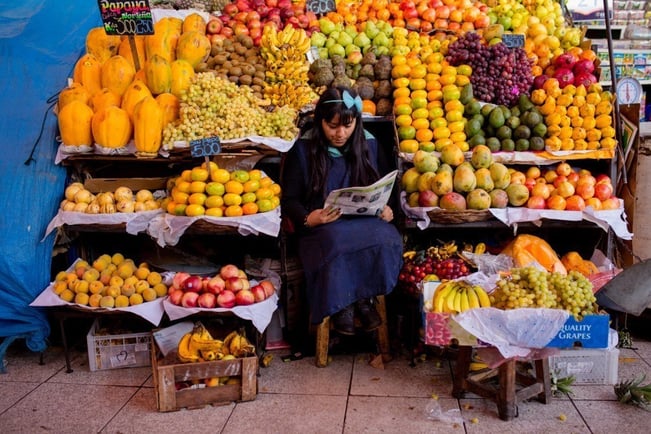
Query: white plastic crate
[109,351]
[588,366]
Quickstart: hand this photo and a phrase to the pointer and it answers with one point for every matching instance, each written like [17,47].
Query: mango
[452,154]
[442,183]
[484,180]
[409,180]
[500,175]
[499,198]
[478,199]
[464,179]
[425,161]
[453,201]
[481,157]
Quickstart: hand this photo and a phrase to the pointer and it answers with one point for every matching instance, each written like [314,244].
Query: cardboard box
[179,385]
[112,351]
[587,366]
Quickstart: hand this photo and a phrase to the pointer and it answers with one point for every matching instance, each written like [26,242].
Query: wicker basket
[454,217]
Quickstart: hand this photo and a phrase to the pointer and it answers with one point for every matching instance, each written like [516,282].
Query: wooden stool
[323,336]
[506,393]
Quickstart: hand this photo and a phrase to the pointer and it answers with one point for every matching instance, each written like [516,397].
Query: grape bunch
[213,106]
[451,268]
[426,263]
[499,73]
[532,287]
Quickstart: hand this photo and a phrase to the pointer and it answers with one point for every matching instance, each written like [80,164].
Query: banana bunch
[445,251]
[453,296]
[200,346]
[288,44]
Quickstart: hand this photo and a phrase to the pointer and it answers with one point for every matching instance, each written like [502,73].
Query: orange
[417,83]
[182,185]
[233,211]
[406,132]
[435,95]
[424,135]
[433,83]
[401,91]
[251,185]
[418,93]
[400,82]
[233,186]
[220,175]
[232,199]
[193,210]
[402,70]
[264,193]
[442,133]
[418,71]
[255,174]
[197,199]
[276,189]
[418,103]
[266,181]
[410,146]
[458,136]
[249,197]
[403,121]
[214,202]
[403,99]
[398,59]
[402,109]
[420,113]
[215,212]
[448,79]
[420,123]
[249,208]
[454,116]
[197,187]
[438,122]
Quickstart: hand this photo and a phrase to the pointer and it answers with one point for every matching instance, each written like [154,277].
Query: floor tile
[24,365]
[599,392]
[65,409]
[304,377]
[372,414]
[14,391]
[643,349]
[398,378]
[607,417]
[140,416]
[533,417]
[81,374]
[277,413]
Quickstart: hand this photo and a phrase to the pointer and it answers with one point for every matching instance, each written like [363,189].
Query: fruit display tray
[168,372]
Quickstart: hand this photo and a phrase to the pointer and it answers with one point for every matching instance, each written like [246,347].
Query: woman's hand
[322,216]
[386,214]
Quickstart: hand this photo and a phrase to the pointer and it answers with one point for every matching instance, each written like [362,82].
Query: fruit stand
[490,110]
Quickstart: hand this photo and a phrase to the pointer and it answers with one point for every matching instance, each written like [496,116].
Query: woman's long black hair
[355,150]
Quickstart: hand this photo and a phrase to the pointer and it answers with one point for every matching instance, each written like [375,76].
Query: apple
[226,299]
[207,300]
[230,9]
[214,26]
[179,278]
[241,274]
[303,21]
[536,202]
[215,285]
[564,169]
[242,5]
[585,190]
[193,284]
[244,298]
[233,284]
[189,299]
[258,293]
[227,32]
[602,177]
[229,270]
[263,10]
[603,191]
[610,203]
[271,3]
[284,4]
[268,287]
[175,296]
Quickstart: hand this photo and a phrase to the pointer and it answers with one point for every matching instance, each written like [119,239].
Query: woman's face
[337,133]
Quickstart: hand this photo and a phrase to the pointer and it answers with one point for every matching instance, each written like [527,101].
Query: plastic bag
[433,411]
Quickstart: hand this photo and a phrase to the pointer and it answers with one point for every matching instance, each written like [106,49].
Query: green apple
[336,50]
[326,26]
[318,39]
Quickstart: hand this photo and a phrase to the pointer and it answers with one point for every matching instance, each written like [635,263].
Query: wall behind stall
[40,41]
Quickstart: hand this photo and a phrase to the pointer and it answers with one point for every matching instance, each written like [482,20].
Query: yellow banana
[457,299]
[409,254]
[480,248]
[183,350]
[473,299]
[465,303]
[449,299]
[229,338]
[477,366]
[484,301]
[440,294]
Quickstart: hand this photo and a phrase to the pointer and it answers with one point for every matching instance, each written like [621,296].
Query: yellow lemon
[233,211]
[232,199]
[220,175]
[194,210]
[214,201]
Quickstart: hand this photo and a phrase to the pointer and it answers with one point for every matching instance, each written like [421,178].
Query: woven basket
[454,217]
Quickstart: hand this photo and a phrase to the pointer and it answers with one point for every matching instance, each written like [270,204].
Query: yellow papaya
[117,74]
[88,71]
[159,75]
[182,74]
[105,98]
[126,51]
[111,127]
[147,127]
[101,45]
[170,105]
[527,248]
[75,124]
[135,93]
[194,47]
[74,92]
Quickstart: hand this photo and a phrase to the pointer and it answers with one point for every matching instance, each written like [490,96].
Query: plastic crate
[112,351]
[588,366]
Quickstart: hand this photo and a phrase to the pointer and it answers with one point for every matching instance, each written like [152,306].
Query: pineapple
[633,392]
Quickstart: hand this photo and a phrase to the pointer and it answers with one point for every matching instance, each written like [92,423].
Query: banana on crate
[199,345]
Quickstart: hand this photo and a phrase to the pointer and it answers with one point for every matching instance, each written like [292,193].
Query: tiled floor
[349,396]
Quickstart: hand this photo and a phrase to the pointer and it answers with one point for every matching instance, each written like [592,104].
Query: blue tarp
[40,41]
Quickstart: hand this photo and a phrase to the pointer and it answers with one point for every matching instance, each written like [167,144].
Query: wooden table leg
[322,340]
[464,357]
[542,376]
[506,399]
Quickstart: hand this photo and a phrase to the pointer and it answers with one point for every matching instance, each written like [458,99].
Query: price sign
[205,147]
[126,17]
[589,10]
[513,40]
[320,6]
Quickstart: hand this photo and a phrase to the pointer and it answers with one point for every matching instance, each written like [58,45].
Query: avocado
[522,145]
[531,118]
[466,94]
[487,109]
[513,122]
[493,144]
[477,139]
[505,111]
[539,130]
[479,117]
[508,145]
[496,118]
[524,103]
[472,127]
[536,144]
[472,108]
[515,111]
[489,131]
[522,132]
[503,132]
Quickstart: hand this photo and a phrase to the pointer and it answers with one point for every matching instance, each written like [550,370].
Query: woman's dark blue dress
[344,261]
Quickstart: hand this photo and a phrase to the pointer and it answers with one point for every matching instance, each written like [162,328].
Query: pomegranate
[564,77]
[585,78]
[583,66]
[565,60]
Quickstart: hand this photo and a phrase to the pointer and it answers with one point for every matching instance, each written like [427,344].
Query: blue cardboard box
[591,332]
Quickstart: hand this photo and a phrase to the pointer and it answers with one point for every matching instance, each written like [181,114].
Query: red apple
[227,32]
[226,299]
[207,300]
[244,298]
[233,284]
[215,285]
[179,278]
[193,284]
[263,11]
[536,202]
[214,26]
[175,296]
[530,183]
[216,38]
[268,287]
[229,270]
[284,4]
[230,9]
[242,5]
[603,191]
[189,299]
[255,33]
[303,21]
[585,190]
[258,293]
[252,16]
[602,177]
[271,3]
[240,17]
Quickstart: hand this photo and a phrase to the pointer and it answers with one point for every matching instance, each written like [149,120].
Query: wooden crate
[167,371]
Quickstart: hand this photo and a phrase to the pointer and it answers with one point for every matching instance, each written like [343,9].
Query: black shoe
[344,321]
[368,315]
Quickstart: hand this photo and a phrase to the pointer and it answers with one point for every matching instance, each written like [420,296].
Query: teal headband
[348,100]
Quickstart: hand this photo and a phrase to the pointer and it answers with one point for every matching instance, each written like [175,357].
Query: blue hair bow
[348,100]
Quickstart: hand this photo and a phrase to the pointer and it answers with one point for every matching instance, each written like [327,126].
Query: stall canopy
[40,41]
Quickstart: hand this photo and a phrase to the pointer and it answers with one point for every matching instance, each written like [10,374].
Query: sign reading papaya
[126,17]
[320,6]
[205,147]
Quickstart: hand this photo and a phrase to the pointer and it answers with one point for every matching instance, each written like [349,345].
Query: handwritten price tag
[513,40]
[205,147]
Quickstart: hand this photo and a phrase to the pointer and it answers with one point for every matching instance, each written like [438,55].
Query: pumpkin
[105,98]
[125,50]
[526,250]
[117,74]
[101,45]
[193,22]
[182,74]
[573,261]
[112,127]
[136,91]
[194,47]
[75,124]
[74,92]
[170,105]
[88,71]
[148,127]
[159,74]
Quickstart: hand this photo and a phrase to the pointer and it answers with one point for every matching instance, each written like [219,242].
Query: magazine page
[367,200]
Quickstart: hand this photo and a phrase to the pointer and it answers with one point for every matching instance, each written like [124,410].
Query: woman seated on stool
[347,261]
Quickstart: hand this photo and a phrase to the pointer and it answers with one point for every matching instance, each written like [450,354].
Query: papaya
[527,249]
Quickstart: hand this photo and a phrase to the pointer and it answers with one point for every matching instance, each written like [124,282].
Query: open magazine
[367,200]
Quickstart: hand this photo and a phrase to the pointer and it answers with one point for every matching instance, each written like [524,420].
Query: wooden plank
[249,378]
[166,389]
[322,338]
